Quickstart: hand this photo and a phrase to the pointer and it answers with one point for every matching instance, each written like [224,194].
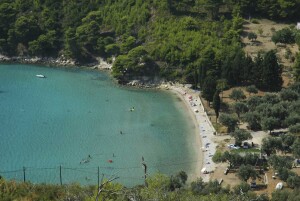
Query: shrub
[244,187]
[293,181]
[251,89]
[218,157]
[284,35]
[252,36]
[254,21]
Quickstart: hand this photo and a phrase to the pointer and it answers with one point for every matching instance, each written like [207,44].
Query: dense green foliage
[184,40]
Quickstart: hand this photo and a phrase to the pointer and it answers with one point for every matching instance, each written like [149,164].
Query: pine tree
[247,69]
[237,66]
[209,88]
[271,72]
[256,71]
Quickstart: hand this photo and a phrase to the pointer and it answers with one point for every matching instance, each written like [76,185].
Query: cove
[80,120]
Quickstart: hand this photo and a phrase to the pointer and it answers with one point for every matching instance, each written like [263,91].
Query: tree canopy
[184,40]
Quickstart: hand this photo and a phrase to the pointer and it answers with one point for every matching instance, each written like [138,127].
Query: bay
[76,121]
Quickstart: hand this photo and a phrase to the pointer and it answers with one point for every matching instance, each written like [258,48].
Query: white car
[233,146]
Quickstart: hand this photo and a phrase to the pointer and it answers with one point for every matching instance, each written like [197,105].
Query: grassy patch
[219,127]
[251,150]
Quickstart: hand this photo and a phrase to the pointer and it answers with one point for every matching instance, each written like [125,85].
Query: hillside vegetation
[183,40]
[159,187]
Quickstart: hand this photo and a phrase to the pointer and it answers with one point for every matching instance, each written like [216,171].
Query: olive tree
[270,124]
[271,144]
[288,95]
[296,148]
[253,120]
[246,171]
[280,161]
[240,108]
[240,135]
[229,121]
[293,181]
[237,94]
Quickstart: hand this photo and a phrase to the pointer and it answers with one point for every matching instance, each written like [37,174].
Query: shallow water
[74,113]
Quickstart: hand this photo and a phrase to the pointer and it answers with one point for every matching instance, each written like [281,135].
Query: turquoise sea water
[74,113]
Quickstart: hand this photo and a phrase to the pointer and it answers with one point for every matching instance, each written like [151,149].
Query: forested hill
[185,40]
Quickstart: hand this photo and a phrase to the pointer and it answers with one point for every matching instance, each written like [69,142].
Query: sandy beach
[206,147]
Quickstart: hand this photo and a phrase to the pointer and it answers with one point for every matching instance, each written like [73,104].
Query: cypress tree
[217,104]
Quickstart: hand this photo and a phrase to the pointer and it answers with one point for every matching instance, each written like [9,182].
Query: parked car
[253,184]
[233,146]
[246,145]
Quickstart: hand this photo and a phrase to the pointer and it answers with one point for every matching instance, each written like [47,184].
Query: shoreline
[192,176]
[60,61]
[204,130]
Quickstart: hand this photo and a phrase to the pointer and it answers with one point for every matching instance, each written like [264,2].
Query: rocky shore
[99,64]
[60,61]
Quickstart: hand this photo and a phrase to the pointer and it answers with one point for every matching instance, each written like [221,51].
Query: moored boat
[41,76]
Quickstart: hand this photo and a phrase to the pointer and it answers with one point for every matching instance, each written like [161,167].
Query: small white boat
[41,76]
